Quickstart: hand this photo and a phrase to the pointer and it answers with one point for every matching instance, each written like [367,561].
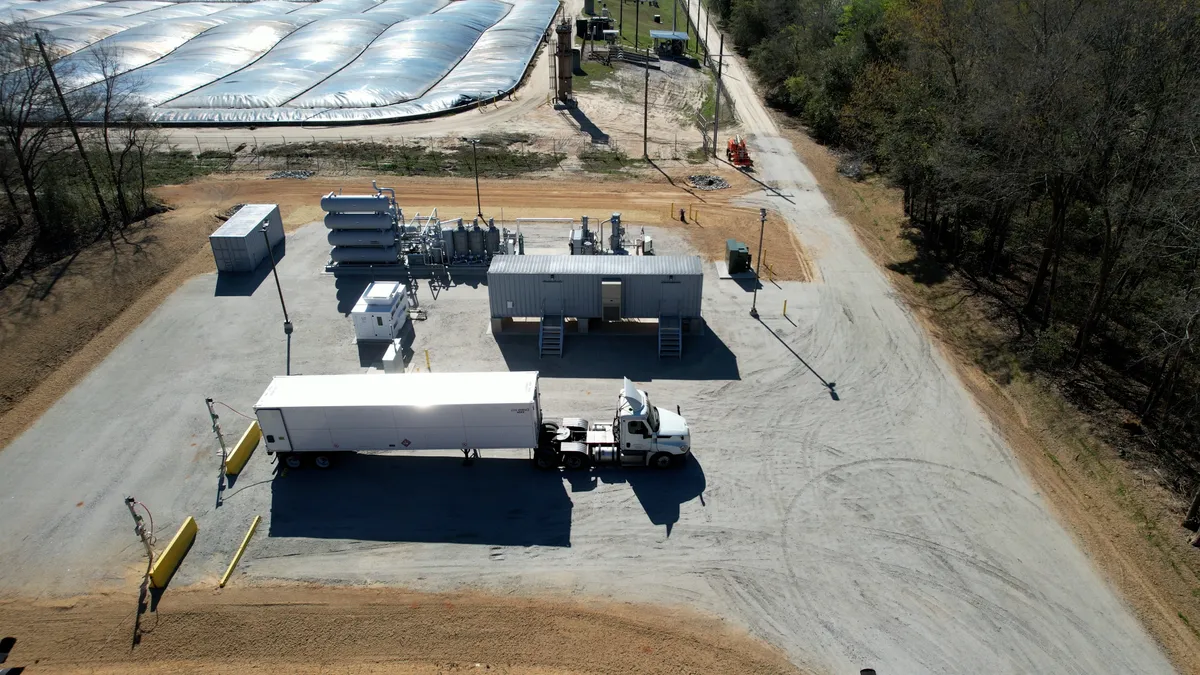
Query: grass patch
[594,73]
[638,20]
[697,155]
[173,167]
[606,161]
[496,156]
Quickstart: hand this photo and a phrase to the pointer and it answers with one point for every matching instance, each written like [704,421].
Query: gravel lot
[873,522]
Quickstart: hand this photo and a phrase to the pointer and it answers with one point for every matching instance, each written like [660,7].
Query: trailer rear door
[270,420]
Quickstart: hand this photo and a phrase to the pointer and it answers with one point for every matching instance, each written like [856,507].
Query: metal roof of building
[245,220]
[670,35]
[606,265]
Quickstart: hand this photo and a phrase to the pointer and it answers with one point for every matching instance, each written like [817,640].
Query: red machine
[737,154]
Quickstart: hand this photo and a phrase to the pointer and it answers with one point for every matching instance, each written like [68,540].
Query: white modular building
[239,245]
[381,312]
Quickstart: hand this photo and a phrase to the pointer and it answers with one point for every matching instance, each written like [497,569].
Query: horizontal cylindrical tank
[475,241]
[359,221]
[335,203]
[385,254]
[361,238]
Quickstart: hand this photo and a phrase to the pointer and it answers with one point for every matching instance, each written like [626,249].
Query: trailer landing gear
[469,456]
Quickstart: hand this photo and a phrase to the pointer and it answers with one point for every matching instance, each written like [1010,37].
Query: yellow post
[785,307]
[671,213]
[241,549]
[427,366]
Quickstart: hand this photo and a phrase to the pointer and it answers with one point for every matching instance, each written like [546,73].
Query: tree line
[73,162]
[1047,149]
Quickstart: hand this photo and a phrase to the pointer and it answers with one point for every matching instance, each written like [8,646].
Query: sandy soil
[373,630]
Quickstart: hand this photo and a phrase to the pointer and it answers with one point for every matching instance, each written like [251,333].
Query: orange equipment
[736,153]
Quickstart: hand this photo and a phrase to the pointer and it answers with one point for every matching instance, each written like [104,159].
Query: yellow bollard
[168,561]
[785,307]
[242,451]
[241,549]
[427,366]
[671,213]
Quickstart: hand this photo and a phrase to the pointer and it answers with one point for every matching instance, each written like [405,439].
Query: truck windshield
[651,414]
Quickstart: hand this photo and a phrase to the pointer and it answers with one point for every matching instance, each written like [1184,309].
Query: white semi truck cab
[641,434]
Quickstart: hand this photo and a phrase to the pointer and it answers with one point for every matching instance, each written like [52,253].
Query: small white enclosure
[381,312]
[418,411]
[238,245]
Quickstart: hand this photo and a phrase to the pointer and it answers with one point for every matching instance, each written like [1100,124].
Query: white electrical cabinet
[381,312]
[417,411]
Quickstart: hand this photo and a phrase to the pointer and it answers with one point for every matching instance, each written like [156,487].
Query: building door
[552,297]
[671,298]
[274,430]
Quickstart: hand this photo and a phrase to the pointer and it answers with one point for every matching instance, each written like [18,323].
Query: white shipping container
[238,245]
[419,411]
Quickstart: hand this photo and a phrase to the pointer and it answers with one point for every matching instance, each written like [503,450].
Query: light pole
[287,325]
[475,162]
[762,225]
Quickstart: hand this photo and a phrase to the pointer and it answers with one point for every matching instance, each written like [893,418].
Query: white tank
[385,254]
[335,203]
[361,238]
[358,221]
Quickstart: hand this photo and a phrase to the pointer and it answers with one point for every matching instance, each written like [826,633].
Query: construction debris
[300,174]
[707,182]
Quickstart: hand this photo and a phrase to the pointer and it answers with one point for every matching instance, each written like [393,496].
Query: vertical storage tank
[238,245]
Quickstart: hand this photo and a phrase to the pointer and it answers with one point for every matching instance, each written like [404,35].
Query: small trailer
[319,415]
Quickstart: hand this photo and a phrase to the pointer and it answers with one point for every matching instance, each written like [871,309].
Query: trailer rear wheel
[322,461]
[545,461]
[662,460]
[574,461]
[293,461]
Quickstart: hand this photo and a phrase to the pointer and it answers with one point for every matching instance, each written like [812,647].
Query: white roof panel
[412,389]
[245,220]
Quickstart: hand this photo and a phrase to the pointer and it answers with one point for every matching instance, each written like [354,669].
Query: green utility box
[737,256]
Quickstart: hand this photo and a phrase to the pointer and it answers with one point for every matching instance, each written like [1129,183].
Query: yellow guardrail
[168,561]
[242,451]
[241,549]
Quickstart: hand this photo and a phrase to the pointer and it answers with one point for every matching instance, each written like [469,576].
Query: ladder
[550,335]
[670,336]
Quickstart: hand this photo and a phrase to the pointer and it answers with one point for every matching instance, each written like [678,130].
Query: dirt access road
[373,630]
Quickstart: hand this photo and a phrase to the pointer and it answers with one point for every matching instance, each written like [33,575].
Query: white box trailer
[319,415]
[418,411]
[238,245]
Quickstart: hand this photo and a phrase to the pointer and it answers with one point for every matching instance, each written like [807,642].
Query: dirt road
[909,380]
[372,630]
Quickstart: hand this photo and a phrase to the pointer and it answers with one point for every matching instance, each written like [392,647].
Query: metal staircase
[670,336]
[550,335]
